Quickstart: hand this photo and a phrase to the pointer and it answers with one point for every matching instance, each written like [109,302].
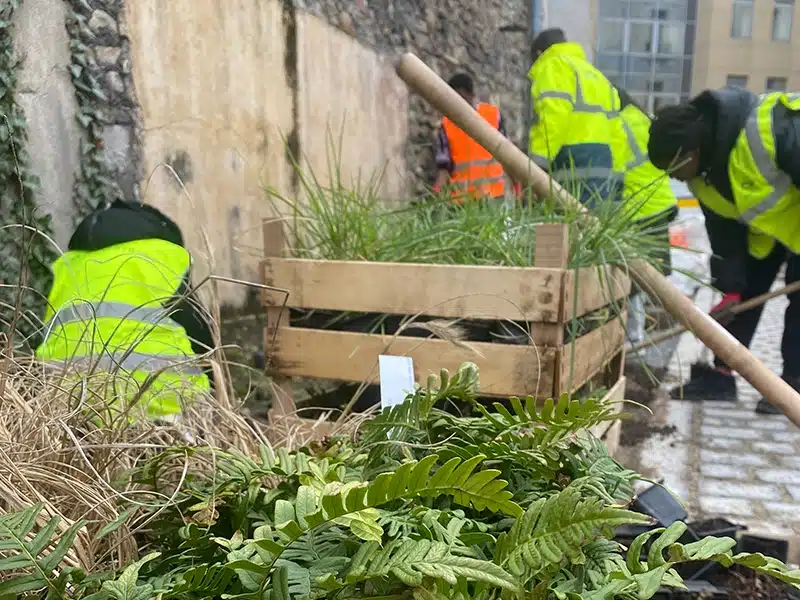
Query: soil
[640,428]
[744,584]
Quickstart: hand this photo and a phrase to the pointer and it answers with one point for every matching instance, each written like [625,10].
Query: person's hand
[721,312]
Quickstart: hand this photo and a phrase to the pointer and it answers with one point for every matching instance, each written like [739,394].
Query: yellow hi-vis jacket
[646,189]
[106,314]
[765,198]
[578,131]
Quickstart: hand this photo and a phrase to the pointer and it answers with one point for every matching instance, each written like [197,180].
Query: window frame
[748,5]
[744,78]
[778,6]
[784,80]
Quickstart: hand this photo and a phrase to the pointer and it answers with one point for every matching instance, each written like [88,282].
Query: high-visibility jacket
[572,134]
[646,188]
[580,136]
[106,314]
[476,174]
[764,197]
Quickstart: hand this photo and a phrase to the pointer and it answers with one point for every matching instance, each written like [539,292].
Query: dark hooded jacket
[728,110]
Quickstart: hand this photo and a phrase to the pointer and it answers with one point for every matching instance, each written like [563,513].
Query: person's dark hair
[675,131]
[462,82]
[547,38]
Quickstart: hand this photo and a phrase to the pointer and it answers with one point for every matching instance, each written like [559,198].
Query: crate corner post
[274,245]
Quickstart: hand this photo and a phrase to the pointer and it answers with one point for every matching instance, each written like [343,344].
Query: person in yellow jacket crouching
[119,312]
[740,155]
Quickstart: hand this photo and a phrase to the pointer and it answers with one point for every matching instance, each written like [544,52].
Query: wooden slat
[453,291]
[505,370]
[552,246]
[596,288]
[592,353]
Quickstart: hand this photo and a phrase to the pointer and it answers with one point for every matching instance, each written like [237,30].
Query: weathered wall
[48,100]
[450,36]
[352,105]
[215,102]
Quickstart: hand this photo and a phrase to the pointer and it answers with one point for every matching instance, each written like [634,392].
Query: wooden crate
[547,297]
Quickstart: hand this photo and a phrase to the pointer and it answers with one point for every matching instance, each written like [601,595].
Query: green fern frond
[553,422]
[34,555]
[554,530]
[411,561]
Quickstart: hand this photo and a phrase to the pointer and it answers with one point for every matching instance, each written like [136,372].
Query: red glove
[728,300]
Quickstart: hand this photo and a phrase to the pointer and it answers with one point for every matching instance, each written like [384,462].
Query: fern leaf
[555,529]
[410,561]
[126,587]
[32,555]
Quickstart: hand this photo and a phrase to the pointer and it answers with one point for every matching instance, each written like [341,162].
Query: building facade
[665,51]
[647,47]
[748,43]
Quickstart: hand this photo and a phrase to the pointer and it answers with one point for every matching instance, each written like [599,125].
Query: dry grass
[52,451]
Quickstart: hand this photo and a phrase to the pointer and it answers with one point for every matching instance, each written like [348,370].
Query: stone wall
[100,26]
[450,36]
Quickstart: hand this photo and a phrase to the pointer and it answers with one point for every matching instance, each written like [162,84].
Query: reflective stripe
[477,182]
[540,161]
[87,311]
[473,163]
[585,173]
[639,157]
[129,361]
[579,104]
[776,178]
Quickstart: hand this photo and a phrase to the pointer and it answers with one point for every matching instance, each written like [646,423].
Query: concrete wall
[215,103]
[578,19]
[351,109]
[718,55]
[48,99]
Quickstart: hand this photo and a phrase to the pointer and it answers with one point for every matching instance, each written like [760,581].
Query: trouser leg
[761,274]
[790,346]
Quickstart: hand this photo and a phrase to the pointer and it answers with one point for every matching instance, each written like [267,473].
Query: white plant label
[397,379]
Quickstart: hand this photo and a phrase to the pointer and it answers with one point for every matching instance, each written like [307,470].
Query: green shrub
[417,503]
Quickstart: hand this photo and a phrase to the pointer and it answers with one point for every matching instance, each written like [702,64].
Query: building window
[776,84]
[742,26]
[645,46]
[737,81]
[782,16]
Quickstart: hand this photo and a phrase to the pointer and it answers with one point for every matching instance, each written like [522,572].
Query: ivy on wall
[93,185]
[25,256]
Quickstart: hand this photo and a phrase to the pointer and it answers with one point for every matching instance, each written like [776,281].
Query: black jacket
[127,222]
[729,109]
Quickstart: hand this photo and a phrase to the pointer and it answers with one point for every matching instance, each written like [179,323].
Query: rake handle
[734,310]
[438,94]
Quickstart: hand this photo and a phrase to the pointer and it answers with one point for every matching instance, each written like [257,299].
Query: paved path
[725,460]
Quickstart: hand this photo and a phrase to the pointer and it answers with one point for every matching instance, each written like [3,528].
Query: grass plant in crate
[339,220]
[414,503]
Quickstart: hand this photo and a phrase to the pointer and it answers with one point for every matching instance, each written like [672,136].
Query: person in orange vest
[462,165]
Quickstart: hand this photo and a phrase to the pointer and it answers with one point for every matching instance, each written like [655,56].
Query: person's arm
[444,161]
[186,311]
[787,143]
[552,106]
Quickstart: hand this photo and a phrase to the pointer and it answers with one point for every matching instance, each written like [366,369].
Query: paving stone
[732,489]
[730,432]
[787,476]
[754,460]
[794,490]
[774,448]
[793,462]
[781,508]
[772,423]
[786,436]
[724,471]
[717,409]
[716,505]
[717,422]
[722,443]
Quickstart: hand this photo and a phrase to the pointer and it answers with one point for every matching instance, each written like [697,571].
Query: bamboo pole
[436,92]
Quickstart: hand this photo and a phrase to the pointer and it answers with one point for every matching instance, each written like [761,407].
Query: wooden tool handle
[432,88]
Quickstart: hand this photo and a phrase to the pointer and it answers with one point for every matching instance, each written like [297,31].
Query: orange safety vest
[475,173]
